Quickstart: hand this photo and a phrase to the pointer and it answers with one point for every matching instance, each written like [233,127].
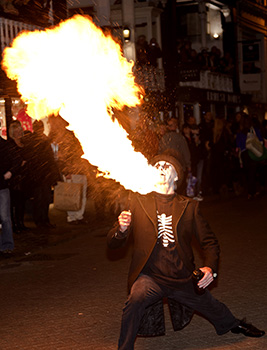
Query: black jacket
[187,223]
[7,162]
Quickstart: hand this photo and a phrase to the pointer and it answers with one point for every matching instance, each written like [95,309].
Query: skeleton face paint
[167,177]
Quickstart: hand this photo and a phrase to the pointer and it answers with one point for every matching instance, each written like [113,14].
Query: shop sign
[250,82]
[250,76]
[232,98]
[215,96]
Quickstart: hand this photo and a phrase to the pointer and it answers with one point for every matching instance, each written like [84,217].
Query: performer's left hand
[207,278]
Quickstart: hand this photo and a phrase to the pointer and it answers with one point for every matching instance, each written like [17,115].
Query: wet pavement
[63,290]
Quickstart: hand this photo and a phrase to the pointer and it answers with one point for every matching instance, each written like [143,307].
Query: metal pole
[203,21]
[128,19]
[103,13]
[8,113]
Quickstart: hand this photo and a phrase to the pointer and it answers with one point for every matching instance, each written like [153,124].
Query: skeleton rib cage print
[165,229]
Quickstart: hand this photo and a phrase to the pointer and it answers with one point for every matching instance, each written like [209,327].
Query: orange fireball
[77,71]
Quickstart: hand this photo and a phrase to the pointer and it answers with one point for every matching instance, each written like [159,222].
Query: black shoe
[73,222]
[22,227]
[49,225]
[7,253]
[247,329]
[17,230]
[83,222]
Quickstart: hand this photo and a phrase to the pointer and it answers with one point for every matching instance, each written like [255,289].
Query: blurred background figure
[70,164]
[141,51]
[206,138]
[21,182]
[220,151]
[45,174]
[8,167]
[174,140]
[153,53]
[253,169]
[191,134]
[144,138]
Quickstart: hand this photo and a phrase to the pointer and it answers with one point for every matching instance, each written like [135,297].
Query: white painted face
[167,177]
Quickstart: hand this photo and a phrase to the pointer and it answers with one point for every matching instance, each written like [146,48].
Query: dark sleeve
[116,238]
[207,240]
[14,157]
[258,133]
[186,152]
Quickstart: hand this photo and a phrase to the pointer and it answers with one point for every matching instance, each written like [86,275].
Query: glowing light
[78,72]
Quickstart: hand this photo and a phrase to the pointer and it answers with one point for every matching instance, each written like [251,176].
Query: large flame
[77,71]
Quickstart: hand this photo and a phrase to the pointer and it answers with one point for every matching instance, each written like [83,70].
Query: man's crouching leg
[144,292]
[223,320]
[215,311]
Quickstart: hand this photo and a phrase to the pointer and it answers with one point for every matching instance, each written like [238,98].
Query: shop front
[196,102]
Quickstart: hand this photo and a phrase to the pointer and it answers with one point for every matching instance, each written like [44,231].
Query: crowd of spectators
[32,163]
[147,54]
[218,158]
[213,152]
[34,173]
[211,60]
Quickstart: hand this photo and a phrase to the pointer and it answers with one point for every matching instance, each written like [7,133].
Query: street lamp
[126,34]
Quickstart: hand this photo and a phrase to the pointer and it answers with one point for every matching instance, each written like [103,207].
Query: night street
[63,290]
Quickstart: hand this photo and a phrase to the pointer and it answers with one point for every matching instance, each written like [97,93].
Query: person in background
[163,224]
[205,60]
[220,151]
[206,137]
[153,53]
[141,51]
[191,134]
[8,167]
[161,129]
[237,176]
[70,164]
[236,123]
[200,155]
[144,138]
[264,132]
[175,141]
[254,170]
[45,174]
[20,183]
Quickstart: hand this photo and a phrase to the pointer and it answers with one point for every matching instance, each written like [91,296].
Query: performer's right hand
[124,220]
[7,175]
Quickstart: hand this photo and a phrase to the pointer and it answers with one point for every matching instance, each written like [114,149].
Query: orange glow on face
[76,71]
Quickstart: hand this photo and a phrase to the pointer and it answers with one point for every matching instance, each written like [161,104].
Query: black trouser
[254,173]
[145,291]
[18,200]
[41,201]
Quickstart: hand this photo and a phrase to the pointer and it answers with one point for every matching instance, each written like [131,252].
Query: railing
[211,81]
[9,29]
